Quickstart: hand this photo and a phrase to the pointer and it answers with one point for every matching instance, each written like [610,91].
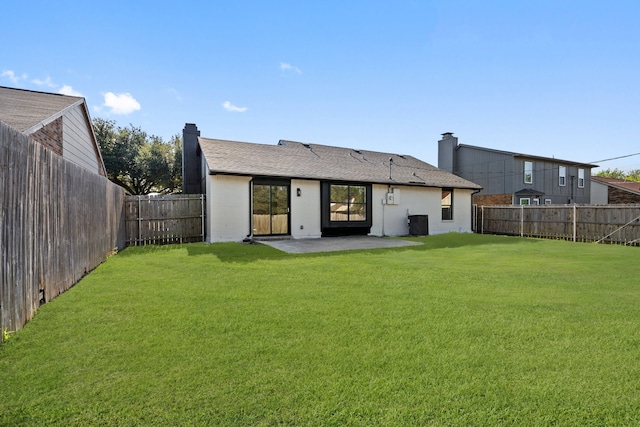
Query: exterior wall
[305,209]
[599,193]
[78,140]
[546,179]
[50,136]
[492,170]
[228,208]
[618,196]
[461,222]
[493,199]
[501,173]
[392,220]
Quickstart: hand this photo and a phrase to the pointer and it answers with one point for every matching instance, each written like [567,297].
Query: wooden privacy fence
[58,221]
[579,223]
[160,220]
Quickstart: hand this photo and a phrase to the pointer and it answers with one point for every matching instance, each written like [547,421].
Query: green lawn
[466,330]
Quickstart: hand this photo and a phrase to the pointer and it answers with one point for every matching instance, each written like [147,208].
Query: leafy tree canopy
[632,175]
[138,162]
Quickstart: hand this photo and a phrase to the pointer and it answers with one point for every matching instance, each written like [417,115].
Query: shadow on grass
[246,253]
[457,240]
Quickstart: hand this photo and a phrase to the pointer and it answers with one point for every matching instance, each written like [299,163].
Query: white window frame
[528,172]
[580,178]
[447,209]
[526,201]
[547,201]
[562,176]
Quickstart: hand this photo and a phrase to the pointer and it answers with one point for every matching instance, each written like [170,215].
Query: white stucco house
[299,190]
[61,123]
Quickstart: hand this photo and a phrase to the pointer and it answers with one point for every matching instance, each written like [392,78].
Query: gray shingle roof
[23,109]
[631,186]
[312,161]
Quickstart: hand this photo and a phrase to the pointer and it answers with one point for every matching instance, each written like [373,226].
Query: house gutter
[249,238]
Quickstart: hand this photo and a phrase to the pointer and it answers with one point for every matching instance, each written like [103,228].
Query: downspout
[474,224]
[572,178]
[249,238]
[383,201]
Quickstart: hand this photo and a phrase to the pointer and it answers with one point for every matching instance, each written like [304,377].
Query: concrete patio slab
[332,244]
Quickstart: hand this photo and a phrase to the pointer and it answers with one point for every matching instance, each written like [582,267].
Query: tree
[632,175]
[138,162]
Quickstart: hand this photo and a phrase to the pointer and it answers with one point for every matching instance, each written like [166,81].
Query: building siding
[228,208]
[305,209]
[501,174]
[78,140]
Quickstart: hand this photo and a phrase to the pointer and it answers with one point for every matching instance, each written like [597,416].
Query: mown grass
[465,330]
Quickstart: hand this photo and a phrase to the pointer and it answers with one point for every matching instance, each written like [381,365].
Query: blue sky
[548,78]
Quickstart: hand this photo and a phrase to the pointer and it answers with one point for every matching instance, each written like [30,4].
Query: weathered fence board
[57,222]
[582,223]
[163,220]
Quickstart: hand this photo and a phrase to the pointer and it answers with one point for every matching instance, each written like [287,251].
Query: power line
[616,158]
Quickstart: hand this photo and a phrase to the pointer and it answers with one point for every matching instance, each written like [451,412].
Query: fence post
[139,223]
[521,220]
[575,219]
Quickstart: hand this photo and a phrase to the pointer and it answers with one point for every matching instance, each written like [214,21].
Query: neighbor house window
[562,176]
[580,178]
[525,201]
[528,172]
[547,201]
[348,202]
[447,204]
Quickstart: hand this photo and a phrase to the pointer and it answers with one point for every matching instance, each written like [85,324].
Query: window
[525,201]
[447,204]
[348,203]
[528,172]
[547,201]
[562,176]
[580,178]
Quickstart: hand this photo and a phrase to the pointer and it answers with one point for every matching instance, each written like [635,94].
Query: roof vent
[307,146]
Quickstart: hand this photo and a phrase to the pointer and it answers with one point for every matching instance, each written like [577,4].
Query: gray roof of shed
[292,159]
[27,110]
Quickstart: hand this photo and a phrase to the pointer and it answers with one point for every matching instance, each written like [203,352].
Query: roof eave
[342,179]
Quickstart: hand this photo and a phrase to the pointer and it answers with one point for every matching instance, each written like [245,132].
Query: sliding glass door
[270,208]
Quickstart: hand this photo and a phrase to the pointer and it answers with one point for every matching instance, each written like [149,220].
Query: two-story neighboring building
[514,178]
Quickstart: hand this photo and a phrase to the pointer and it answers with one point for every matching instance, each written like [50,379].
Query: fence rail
[580,223]
[58,221]
[161,220]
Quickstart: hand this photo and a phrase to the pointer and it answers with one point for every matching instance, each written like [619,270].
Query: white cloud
[288,67]
[121,103]
[68,90]
[46,82]
[12,76]
[174,92]
[230,107]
